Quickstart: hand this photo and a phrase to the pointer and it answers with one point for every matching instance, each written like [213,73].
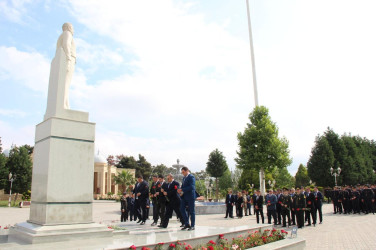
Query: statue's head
[68,27]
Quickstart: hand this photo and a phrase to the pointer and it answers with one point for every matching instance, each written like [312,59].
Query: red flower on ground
[211,248]
[161,243]
[172,245]
[132,247]
[212,242]
[283,231]
[221,236]
[274,230]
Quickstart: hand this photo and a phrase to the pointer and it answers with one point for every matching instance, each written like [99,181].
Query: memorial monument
[62,182]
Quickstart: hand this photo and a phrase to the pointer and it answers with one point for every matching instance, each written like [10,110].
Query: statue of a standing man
[66,42]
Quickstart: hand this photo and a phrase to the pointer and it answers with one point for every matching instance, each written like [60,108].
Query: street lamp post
[335,173]
[11,185]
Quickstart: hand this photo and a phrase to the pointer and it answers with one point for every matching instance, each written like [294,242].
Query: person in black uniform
[229,204]
[310,207]
[368,197]
[335,200]
[153,190]
[293,216]
[161,198]
[130,203]
[355,200]
[137,207]
[339,200]
[299,207]
[123,208]
[239,205]
[346,200]
[318,203]
[173,201]
[142,195]
[285,202]
[258,202]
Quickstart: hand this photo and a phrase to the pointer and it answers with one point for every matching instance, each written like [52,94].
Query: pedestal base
[33,233]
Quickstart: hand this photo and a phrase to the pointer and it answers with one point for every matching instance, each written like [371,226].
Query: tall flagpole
[262,172]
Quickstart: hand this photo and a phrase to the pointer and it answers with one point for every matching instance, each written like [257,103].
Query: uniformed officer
[355,200]
[310,207]
[300,206]
[153,190]
[285,202]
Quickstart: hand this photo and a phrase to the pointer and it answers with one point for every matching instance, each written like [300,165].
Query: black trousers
[279,209]
[272,213]
[285,213]
[293,215]
[155,211]
[259,212]
[124,216]
[355,206]
[161,208]
[249,209]
[137,209]
[319,210]
[240,210]
[132,214]
[229,210]
[310,213]
[144,211]
[170,208]
[300,218]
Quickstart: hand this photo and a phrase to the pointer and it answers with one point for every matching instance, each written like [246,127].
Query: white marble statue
[66,42]
[62,69]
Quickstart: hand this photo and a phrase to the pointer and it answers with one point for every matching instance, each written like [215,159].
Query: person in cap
[123,208]
[300,206]
[285,202]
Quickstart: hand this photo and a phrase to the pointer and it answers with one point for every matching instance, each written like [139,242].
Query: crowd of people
[285,207]
[166,197]
[353,200]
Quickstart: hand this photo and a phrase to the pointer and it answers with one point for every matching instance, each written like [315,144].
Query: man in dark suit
[137,207]
[258,202]
[318,203]
[142,195]
[188,195]
[229,204]
[310,207]
[161,198]
[278,206]
[173,201]
[153,190]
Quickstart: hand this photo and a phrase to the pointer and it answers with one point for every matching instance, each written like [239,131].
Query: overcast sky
[173,79]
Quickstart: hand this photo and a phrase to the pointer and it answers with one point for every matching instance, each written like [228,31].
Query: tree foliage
[161,169]
[124,179]
[142,166]
[259,144]
[216,167]
[19,163]
[283,178]
[301,176]
[356,156]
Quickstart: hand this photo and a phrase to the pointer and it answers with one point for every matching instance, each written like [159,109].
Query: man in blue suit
[318,203]
[188,196]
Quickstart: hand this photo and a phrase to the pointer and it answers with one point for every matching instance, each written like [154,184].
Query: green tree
[249,176]
[200,187]
[283,178]
[260,148]
[225,182]
[124,179]
[216,167]
[143,167]
[301,176]
[161,169]
[19,163]
[4,171]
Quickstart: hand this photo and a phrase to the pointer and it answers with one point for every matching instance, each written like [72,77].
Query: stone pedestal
[62,184]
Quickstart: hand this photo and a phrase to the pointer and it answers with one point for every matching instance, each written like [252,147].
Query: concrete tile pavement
[336,232]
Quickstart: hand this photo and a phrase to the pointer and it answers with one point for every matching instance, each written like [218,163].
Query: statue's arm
[67,41]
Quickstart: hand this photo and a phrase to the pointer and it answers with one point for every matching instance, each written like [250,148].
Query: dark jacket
[189,187]
[318,198]
[123,203]
[172,191]
[271,201]
[142,188]
[230,200]
[259,202]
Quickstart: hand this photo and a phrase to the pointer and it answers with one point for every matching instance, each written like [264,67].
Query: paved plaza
[336,232]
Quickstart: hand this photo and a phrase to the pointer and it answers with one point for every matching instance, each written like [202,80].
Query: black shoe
[142,223]
[308,225]
[225,217]
[185,227]
[191,228]
[139,221]
[162,226]
[182,225]
[232,217]
[154,224]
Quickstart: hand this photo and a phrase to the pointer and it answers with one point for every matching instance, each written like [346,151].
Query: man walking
[173,201]
[161,198]
[142,193]
[153,191]
[188,195]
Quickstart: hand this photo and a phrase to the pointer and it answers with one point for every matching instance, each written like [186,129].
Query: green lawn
[5,203]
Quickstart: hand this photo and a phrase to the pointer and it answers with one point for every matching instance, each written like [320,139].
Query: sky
[172,79]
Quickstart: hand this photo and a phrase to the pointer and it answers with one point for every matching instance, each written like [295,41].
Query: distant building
[104,177]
